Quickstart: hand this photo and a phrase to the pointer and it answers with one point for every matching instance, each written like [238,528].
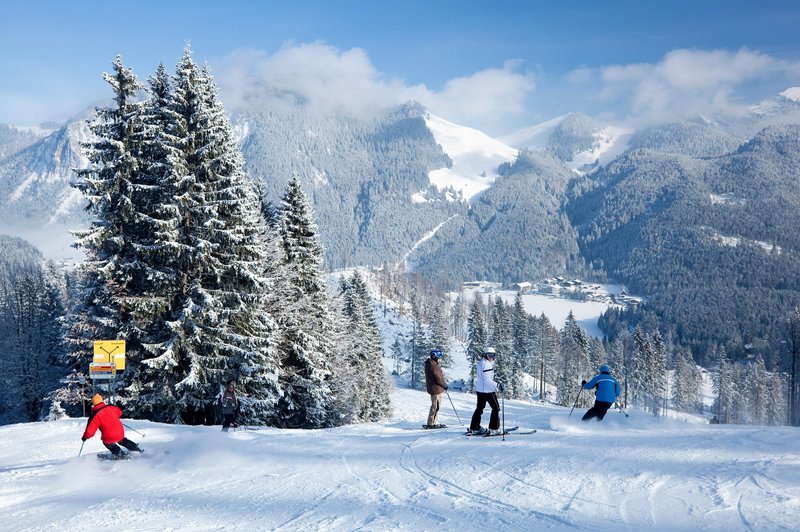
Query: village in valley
[557,297]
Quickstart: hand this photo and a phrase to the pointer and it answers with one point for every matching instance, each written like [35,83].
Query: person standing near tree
[605,395]
[486,390]
[436,385]
[230,405]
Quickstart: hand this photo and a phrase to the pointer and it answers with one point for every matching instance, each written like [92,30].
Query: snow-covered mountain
[16,138]
[36,200]
[475,157]
[579,141]
[623,474]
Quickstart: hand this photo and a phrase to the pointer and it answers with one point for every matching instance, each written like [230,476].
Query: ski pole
[576,401]
[454,407]
[133,429]
[82,444]
[503,411]
[623,411]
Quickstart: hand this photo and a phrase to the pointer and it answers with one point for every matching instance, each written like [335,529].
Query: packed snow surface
[636,473]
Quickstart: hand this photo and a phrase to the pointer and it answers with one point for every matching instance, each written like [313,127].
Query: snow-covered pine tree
[222,328]
[500,339]
[476,338]
[397,356]
[546,352]
[440,337]
[151,375]
[637,372]
[30,340]
[306,322]
[777,403]
[725,388]
[459,318]
[574,362]
[363,357]
[420,345]
[108,184]
[686,384]
[757,378]
[520,355]
[657,373]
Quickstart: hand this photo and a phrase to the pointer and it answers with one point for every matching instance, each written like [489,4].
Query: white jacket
[484,377]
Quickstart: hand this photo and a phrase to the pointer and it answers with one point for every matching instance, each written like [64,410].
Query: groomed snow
[636,473]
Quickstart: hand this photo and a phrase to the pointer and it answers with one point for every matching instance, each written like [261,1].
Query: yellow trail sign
[110,352]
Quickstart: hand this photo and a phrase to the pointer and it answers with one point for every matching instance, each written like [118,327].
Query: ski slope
[636,473]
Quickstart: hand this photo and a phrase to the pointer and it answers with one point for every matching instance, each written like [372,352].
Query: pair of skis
[485,434]
[507,431]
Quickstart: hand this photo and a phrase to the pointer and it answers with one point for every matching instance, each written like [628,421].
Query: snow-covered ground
[635,473]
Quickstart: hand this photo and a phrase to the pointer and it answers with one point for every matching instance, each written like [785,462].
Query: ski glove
[83,438]
[583,382]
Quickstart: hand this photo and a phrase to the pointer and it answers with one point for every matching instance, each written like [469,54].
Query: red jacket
[106,418]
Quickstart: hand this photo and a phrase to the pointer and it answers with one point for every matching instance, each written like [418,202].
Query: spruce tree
[519,348]
[476,339]
[218,319]
[108,274]
[501,340]
[363,359]
[574,361]
[306,322]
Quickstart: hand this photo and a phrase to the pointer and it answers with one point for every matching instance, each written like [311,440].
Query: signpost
[109,359]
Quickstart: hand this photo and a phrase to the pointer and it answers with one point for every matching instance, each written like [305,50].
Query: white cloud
[346,81]
[485,95]
[684,82]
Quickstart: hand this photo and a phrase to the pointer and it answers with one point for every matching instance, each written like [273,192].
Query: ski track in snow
[636,473]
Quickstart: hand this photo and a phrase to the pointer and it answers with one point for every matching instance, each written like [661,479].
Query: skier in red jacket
[106,418]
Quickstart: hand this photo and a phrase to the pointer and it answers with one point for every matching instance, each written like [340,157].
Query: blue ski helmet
[436,354]
[605,369]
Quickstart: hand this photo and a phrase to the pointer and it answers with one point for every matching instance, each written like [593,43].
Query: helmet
[489,352]
[436,354]
[97,399]
[605,369]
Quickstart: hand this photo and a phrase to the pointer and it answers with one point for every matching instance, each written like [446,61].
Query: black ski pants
[228,420]
[125,442]
[597,411]
[494,419]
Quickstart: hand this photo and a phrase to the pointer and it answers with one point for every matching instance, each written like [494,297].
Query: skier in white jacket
[486,388]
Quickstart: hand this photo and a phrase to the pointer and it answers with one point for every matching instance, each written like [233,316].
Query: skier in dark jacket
[106,418]
[436,386]
[606,393]
[230,405]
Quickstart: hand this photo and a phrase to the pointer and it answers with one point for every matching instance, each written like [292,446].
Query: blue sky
[496,65]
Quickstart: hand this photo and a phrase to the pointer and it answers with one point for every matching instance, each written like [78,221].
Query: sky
[496,66]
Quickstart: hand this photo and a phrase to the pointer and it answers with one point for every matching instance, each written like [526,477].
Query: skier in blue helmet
[435,385]
[607,391]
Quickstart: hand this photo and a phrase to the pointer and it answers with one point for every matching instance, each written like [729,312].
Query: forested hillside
[32,296]
[360,173]
[516,230]
[711,242]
